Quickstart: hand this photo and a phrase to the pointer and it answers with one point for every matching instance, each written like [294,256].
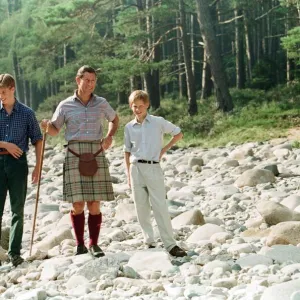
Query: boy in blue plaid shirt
[18,124]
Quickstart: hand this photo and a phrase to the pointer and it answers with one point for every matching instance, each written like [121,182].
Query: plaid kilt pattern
[78,188]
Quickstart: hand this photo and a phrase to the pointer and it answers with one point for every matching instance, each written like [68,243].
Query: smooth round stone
[236,267]
[295,296]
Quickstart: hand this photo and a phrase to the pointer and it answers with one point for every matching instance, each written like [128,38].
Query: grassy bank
[257,116]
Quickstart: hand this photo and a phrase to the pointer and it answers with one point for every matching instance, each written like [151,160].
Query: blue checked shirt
[20,126]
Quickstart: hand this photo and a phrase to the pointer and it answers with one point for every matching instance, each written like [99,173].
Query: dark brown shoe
[16,259]
[96,251]
[81,249]
[178,252]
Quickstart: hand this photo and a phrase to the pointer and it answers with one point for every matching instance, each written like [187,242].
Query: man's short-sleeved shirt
[83,122]
[19,126]
[145,140]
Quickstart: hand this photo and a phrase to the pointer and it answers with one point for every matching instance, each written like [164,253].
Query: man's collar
[16,105]
[75,96]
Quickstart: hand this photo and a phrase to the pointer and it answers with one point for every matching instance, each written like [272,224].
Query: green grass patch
[257,116]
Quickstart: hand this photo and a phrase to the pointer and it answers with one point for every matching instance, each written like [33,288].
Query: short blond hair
[138,95]
[7,81]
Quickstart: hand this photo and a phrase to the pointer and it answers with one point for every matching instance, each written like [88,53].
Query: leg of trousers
[153,179]
[15,172]
[142,205]
[3,190]
[94,223]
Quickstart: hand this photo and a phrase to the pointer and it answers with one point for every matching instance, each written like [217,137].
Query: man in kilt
[83,114]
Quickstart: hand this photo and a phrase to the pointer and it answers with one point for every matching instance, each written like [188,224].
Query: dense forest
[187,49]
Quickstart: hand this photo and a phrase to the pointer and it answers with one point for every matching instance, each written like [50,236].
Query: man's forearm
[52,130]
[113,126]
[38,151]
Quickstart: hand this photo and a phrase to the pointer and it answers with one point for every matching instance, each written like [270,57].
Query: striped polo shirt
[83,122]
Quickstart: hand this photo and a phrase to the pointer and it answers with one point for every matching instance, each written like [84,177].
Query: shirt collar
[75,97]
[147,118]
[16,105]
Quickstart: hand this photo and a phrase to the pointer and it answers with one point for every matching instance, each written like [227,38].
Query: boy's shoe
[178,252]
[96,251]
[81,249]
[16,259]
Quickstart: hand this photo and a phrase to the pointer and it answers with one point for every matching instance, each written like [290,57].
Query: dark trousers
[13,179]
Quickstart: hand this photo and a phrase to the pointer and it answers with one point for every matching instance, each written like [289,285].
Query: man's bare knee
[94,207]
[78,208]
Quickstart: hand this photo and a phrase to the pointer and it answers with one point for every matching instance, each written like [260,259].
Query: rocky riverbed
[236,210]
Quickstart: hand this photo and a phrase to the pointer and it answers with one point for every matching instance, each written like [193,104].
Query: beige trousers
[148,189]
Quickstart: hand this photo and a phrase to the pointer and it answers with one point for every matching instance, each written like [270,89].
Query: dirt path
[293,133]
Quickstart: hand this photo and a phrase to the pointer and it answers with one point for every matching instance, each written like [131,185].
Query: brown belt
[4,153]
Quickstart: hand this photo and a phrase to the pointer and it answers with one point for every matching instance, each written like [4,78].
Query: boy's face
[7,94]
[139,108]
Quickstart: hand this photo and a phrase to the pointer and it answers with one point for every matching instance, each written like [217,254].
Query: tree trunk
[152,76]
[289,62]
[190,80]
[249,49]
[122,98]
[19,93]
[181,74]
[239,52]
[224,101]
[192,38]
[207,84]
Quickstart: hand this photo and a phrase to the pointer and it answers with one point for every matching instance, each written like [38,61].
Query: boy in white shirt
[143,138]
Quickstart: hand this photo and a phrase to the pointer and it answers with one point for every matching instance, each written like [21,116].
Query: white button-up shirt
[145,141]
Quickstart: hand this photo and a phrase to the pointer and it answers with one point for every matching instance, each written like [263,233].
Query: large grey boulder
[274,213]
[254,177]
[284,233]
[191,217]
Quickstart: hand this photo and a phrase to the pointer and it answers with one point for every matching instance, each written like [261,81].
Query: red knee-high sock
[94,223]
[78,225]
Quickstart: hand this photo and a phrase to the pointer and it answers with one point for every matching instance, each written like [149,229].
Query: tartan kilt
[78,188]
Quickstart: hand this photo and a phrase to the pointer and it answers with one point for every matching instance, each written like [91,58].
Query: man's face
[6,94]
[87,83]
[139,108]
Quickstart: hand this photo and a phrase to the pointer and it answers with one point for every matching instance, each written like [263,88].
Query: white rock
[283,253]
[192,217]
[291,201]
[126,212]
[54,239]
[36,294]
[211,266]
[281,291]
[150,261]
[204,233]
[254,259]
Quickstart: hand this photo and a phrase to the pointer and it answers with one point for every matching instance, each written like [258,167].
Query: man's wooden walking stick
[38,187]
